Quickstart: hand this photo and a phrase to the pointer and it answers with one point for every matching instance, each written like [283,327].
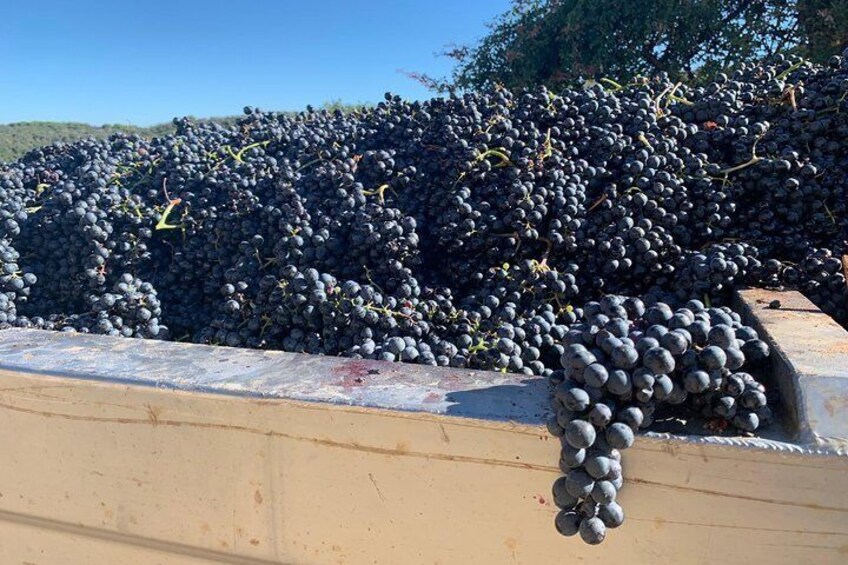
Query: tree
[560,42]
[824,24]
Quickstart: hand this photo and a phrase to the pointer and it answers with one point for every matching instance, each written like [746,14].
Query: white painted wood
[146,475]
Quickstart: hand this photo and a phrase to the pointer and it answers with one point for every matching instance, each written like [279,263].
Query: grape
[746,333]
[620,436]
[722,335]
[713,357]
[562,498]
[696,381]
[746,421]
[755,350]
[595,375]
[598,466]
[725,407]
[619,382]
[625,356]
[674,342]
[578,483]
[647,342]
[576,400]
[612,515]
[631,416]
[644,378]
[659,360]
[581,359]
[734,385]
[753,399]
[614,470]
[699,330]
[580,434]
[592,530]
[572,456]
[600,415]
[735,358]
[659,314]
[663,386]
[554,428]
[567,522]
[563,417]
[765,415]
[603,492]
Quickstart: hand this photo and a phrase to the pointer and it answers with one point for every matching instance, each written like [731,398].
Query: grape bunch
[626,365]
[822,278]
[708,273]
[15,283]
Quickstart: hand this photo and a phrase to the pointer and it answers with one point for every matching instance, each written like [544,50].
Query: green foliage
[824,24]
[337,104]
[560,42]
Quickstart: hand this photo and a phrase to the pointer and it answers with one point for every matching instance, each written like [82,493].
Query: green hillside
[18,138]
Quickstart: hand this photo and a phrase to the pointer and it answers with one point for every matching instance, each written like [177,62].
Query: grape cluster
[131,309]
[15,283]
[821,276]
[710,272]
[625,365]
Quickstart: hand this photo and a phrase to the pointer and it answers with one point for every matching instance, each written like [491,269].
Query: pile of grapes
[475,231]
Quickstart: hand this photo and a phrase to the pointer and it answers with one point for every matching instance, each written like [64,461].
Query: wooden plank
[810,362]
[274,480]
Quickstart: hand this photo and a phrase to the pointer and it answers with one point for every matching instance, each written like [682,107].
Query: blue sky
[144,62]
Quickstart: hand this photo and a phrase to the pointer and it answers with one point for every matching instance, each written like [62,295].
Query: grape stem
[598,202]
[163,224]
[790,70]
[504,158]
[379,191]
[752,161]
[615,86]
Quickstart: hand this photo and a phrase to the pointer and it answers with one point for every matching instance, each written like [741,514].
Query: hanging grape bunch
[622,365]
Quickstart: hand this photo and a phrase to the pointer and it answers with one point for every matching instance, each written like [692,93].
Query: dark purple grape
[620,436]
[659,361]
[567,522]
[612,515]
[592,531]
[578,483]
[604,492]
[580,434]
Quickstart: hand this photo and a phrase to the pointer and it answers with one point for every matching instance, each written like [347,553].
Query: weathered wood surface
[810,362]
